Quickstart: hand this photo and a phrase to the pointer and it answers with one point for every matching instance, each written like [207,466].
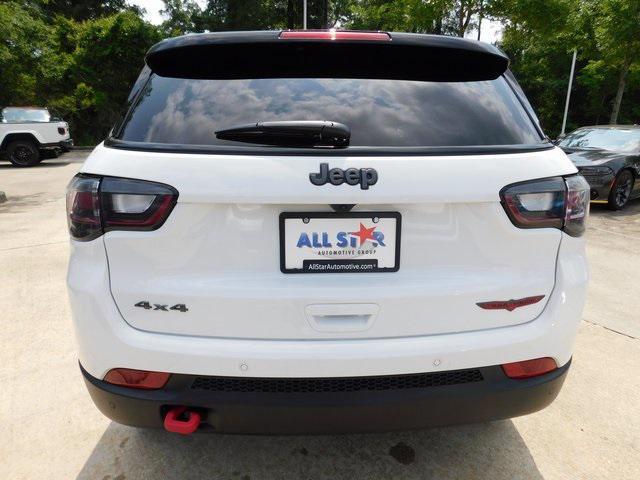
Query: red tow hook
[172,422]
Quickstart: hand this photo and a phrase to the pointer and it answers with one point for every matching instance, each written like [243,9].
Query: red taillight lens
[96,205]
[529,368]
[334,35]
[577,205]
[83,208]
[549,203]
[141,379]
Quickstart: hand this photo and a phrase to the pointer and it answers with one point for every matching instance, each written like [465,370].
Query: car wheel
[621,190]
[23,153]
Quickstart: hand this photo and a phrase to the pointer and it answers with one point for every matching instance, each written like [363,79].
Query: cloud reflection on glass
[379,112]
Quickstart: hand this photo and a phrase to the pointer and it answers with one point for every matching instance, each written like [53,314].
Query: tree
[451,17]
[540,36]
[81,57]
[84,9]
[108,56]
[182,17]
[268,14]
[26,53]
[464,12]
[221,15]
[617,28]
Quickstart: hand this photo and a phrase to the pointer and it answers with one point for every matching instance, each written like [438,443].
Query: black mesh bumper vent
[338,384]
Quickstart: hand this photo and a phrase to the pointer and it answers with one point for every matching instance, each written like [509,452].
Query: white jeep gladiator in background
[29,135]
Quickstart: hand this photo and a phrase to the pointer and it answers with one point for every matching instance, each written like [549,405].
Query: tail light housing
[83,208]
[96,205]
[558,202]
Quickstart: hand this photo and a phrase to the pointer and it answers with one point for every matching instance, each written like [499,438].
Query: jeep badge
[337,176]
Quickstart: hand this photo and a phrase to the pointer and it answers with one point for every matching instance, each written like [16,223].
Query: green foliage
[81,70]
[80,58]
[107,59]
[540,37]
[182,17]
[452,17]
[26,51]
[83,9]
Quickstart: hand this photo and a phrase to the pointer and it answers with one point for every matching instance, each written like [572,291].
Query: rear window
[16,115]
[380,113]
[624,140]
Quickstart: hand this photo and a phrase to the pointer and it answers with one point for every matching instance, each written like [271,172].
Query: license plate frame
[368,215]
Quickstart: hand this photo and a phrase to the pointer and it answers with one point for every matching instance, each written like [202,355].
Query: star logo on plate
[364,233]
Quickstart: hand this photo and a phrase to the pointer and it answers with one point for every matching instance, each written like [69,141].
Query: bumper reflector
[529,368]
[126,377]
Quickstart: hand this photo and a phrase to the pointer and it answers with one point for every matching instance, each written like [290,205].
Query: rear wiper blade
[295,133]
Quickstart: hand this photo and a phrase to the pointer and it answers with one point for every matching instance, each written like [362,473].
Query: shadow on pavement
[75,156]
[43,164]
[22,202]
[484,451]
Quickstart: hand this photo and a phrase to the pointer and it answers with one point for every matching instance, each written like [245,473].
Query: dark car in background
[609,159]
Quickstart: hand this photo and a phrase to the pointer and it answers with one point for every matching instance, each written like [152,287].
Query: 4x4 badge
[352,176]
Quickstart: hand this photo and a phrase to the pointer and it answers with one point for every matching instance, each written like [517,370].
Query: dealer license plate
[362,242]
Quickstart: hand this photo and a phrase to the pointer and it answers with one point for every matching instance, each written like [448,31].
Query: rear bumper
[493,397]
[600,185]
[65,145]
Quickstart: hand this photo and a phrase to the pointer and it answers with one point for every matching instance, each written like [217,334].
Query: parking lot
[50,428]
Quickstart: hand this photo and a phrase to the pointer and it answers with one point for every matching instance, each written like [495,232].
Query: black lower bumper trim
[62,144]
[600,185]
[494,397]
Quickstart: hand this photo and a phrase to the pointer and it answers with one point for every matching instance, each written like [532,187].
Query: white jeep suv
[321,231]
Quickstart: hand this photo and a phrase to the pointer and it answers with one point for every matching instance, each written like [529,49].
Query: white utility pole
[304,14]
[480,17]
[566,105]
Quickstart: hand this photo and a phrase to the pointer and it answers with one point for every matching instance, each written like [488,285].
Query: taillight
[576,205]
[142,379]
[83,208]
[549,203]
[96,205]
[135,204]
[529,368]
[62,130]
[334,35]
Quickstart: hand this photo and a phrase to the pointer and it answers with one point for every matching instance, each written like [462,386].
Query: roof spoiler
[328,54]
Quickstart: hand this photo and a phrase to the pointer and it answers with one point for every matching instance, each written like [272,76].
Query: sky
[491,31]
[153,8]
